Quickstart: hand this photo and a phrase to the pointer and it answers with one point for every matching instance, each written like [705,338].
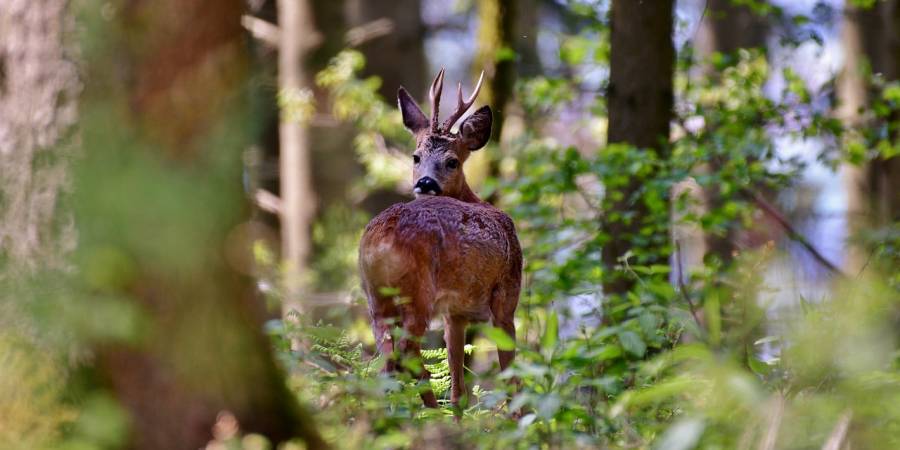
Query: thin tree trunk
[860,27]
[38,92]
[728,27]
[496,28]
[295,21]
[640,99]
[870,35]
[886,172]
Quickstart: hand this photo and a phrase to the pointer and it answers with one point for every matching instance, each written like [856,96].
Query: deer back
[460,251]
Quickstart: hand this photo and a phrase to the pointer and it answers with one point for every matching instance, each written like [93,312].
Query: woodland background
[706,192]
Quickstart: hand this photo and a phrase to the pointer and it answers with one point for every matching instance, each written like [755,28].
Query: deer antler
[435,94]
[463,106]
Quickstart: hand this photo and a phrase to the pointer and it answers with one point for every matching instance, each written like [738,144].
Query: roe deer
[445,253]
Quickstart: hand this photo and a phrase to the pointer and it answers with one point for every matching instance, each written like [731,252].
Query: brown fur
[450,255]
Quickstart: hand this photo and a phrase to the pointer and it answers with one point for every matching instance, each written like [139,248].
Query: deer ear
[413,117]
[475,131]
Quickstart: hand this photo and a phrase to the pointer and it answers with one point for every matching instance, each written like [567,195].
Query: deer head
[440,153]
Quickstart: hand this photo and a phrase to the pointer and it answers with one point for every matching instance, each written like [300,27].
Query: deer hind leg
[455,338]
[385,317]
[503,318]
[385,343]
[503,309]
[415,323]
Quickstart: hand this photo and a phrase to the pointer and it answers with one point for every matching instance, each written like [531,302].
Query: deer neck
[467,195]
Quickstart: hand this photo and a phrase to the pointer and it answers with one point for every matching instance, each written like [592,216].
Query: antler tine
[437,86]
[463,106]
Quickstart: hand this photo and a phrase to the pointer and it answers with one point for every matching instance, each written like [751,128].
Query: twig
[769,439]
[791,231]
[386,149]
[266,32]
[868,260]
[366,32]
[839,434]
[683,288]
[267,201]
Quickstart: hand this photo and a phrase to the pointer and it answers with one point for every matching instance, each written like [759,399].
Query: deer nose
[427,185]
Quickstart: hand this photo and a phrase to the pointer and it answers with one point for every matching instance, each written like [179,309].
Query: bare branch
[266,32]
[771,436]
[683,289]
[839,435]
[366,32]
[267,201]
[792,232]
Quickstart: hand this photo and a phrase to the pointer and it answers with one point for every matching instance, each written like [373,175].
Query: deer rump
[439,255]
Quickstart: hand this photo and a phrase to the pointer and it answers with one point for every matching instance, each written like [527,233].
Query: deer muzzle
[427,186]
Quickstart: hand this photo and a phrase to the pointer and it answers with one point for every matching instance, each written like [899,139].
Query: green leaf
[682,435]
[758,367]
[500,338]
[551,332]
[607,352]
[632,343]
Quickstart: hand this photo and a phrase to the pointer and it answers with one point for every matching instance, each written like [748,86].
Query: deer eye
[416,159]
[452,163]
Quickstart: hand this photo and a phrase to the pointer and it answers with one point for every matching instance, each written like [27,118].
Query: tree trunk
[640,99]
[38,91]
[496,31]
[297,35]
[859,32]
[397,57]
[885,173]
[158,188]
[496,28]
[870,35]
[727,28]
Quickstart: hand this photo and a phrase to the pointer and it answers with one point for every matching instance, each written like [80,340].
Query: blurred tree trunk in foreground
[38,92]
[871,38]
[160,212]
[640,98]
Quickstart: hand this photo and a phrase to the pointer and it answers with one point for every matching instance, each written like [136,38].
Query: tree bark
[728,27]
[640,100]
[859,32]
[38,105]
[885,173]
[496,30]
[175,221]
[298,202]
[869,35]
